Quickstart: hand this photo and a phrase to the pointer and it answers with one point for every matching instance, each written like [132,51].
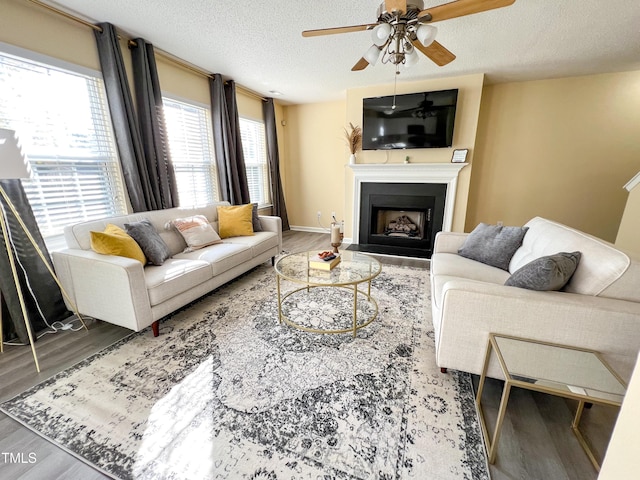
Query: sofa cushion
[235,221]
[175,276]
[259,243]
[151,243]
[601,264]
[115,241]
[196,231]
[493,244]
[551,272]
[220,257]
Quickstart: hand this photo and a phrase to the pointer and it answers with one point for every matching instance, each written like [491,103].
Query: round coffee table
[354,269]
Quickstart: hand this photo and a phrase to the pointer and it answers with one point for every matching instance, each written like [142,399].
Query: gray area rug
[228,392]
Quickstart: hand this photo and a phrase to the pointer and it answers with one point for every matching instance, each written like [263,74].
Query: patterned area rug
[228,392]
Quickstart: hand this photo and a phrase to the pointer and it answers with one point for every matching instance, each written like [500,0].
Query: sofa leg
[155,326]
[443,370]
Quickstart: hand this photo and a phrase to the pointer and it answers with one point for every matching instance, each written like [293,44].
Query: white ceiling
[260,45]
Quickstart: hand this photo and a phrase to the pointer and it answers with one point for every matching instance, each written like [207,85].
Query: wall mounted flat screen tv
[414,120]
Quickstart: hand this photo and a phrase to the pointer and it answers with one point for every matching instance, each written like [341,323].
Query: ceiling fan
[402,28]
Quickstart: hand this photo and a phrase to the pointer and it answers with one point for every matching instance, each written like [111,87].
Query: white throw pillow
[196,231]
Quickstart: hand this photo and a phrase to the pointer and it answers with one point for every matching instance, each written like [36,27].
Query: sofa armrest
[449,242]
[272,224]
[105,287]
[473,309]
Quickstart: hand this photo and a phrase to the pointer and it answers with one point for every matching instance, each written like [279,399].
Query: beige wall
[561,149]
[314,165]
[629,232]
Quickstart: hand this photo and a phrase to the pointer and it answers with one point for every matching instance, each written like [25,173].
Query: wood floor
[536,443]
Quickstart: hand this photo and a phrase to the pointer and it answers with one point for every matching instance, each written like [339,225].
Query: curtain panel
[273,157]
[232,175]
[41,292]
[123,117]
[163,192]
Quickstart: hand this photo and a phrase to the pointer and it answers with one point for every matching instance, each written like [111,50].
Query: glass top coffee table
[353,270]
[560,370]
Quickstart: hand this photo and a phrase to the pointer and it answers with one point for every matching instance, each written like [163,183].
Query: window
[191,147]
[62,120]
[255,159]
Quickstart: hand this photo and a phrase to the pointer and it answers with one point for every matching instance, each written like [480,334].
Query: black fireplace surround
[400,218]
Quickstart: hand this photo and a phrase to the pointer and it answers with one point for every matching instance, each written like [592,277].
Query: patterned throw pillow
[149,240]
[196,231]
[235,221]
[115,241]
[546,273]
[493,244]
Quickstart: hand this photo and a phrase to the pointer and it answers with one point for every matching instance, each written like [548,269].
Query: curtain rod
[159,52]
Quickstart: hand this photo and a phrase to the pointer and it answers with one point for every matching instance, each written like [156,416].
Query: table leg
[501,413]
[355,309]
[583,441]
[279,299]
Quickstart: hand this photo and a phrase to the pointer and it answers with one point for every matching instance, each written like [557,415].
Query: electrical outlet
[319,214]
[333,215]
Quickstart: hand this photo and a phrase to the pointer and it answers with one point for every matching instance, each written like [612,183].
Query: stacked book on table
[324,261]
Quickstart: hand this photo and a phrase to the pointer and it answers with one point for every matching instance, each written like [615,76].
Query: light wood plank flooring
[536,443]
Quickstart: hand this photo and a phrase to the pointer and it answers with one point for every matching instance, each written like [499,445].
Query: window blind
[254,147]
[62,120]
[191,147]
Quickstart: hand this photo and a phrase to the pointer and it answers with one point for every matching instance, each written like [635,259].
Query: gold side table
[560,370]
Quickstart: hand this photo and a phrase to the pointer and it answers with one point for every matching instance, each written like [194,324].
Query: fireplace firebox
[400,218]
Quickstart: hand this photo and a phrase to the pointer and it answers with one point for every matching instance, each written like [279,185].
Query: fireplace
[400,218]
[399,208]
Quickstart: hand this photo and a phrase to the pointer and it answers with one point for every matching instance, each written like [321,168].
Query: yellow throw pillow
[235,221]
[115,241]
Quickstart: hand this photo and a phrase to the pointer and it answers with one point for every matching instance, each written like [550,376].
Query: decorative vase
[352,159]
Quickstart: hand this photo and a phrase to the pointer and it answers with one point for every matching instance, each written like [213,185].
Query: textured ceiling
[260,45]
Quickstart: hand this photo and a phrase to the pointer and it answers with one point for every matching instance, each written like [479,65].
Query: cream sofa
[598,309]
[122,291]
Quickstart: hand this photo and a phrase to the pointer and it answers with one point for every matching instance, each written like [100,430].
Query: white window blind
[63,123]
[254,148]
[191,147]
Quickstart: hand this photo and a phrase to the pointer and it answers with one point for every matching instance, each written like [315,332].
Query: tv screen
[414,120]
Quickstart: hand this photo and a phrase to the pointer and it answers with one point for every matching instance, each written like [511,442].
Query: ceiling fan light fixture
[380,33]
[426,34]
[372,54]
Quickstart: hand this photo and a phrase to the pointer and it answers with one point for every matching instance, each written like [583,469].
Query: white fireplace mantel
[446,173]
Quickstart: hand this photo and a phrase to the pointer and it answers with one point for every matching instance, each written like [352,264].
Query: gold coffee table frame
[354,269]
[560,370]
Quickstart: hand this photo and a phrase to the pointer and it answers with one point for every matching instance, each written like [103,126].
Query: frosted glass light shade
[13,163]
[380,34]
[410,56]
[426,34]
[372,54]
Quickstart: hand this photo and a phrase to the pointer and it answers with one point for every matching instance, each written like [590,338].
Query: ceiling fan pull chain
[395,86]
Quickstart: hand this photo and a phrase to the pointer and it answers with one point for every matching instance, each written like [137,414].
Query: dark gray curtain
[41,284]
[232,173]
[123,118]
[277,194]
[164,193]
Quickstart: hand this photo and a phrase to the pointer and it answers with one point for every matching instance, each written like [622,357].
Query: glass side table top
[561,369]
[354,267]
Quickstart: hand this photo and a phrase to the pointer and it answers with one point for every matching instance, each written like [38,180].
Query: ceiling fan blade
[360,65]
[436,52]
[331,31]
[460,8]
[395,5]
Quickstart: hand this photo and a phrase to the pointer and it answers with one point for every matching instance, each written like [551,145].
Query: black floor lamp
[14,165]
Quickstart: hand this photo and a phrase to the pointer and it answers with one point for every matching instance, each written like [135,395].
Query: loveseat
[599,307]
[125,292]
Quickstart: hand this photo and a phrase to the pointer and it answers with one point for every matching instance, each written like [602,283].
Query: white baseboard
[298,228]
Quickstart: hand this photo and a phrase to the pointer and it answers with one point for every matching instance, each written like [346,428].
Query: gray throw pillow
[151,243]
[257,226]
[493,244]
[546,273]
